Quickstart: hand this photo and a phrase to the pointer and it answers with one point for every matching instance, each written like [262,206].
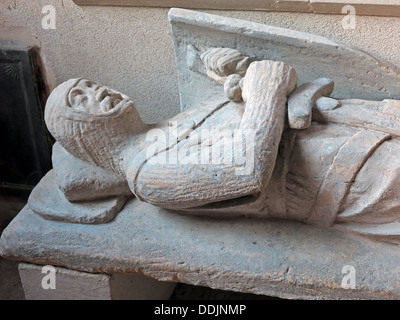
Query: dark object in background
[25,145]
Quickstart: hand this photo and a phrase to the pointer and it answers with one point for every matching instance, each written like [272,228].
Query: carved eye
[77,96]
[81,98]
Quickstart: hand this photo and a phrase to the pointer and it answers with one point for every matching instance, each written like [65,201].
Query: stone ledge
[74,285]
[363,7]
[275,258]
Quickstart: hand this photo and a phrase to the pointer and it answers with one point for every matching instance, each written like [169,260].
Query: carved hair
[93,138]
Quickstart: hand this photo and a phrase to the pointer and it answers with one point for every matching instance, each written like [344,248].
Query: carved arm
[266,87]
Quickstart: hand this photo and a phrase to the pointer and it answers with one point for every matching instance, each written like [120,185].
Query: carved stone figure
[258,136]
[321,172]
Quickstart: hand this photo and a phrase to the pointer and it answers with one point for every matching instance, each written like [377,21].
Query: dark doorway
[24,141]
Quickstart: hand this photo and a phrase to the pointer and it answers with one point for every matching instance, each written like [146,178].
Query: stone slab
[269,257]
[69,284]
[356,74]
[75,285]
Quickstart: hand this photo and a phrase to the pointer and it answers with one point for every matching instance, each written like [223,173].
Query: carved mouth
[109,103]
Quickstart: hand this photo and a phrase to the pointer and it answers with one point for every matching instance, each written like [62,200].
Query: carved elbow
[149,193]
[143,193]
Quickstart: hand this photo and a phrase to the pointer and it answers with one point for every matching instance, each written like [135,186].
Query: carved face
[94,99]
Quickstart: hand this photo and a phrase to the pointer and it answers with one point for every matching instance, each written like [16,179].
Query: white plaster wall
[128,49]
[131,49]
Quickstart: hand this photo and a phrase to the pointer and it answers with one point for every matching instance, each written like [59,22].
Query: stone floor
[11,288]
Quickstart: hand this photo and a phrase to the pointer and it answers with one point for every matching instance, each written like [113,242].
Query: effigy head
[90,120]
[88,96]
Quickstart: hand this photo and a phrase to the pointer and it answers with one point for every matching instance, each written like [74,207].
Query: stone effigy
[258,145]
[322,174]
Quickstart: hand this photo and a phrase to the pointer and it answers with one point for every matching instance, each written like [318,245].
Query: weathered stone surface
[356,74]
[232,87]
[183,185]
[100,126]
[74,285]
[321,174]
[277,258]
[79,180]
[302,101]
[48,201]
[374,115]
[69,284]
[337,181]
[325,103]
[261,177]
[222,62]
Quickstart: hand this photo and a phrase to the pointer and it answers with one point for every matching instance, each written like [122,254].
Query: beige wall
[131,49]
